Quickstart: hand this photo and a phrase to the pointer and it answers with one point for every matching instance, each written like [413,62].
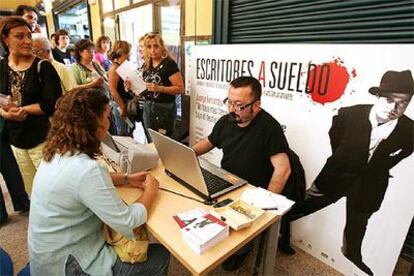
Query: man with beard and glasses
[254,146]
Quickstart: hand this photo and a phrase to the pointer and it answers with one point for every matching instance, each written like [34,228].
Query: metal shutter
[319,21]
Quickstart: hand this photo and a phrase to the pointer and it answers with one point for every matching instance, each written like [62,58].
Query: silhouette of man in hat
[366,141]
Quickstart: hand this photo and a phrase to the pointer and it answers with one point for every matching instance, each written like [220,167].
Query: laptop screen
[109,141]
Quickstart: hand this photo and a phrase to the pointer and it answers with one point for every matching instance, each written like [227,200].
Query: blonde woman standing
[164,81]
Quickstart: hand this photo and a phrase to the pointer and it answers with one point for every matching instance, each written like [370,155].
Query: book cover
[205,232]
[184,219]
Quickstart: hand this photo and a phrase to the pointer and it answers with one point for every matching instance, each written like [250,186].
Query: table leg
[268,244]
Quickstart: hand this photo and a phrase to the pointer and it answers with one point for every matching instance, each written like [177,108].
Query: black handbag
[133,106]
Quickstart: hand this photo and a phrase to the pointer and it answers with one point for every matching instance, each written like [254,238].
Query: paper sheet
[127,71]
[264,199]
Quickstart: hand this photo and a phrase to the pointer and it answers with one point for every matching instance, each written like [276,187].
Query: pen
[269,209]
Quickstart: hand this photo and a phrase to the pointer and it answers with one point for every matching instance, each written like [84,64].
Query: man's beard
[236,118]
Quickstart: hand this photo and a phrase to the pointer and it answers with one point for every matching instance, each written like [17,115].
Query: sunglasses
[152,33]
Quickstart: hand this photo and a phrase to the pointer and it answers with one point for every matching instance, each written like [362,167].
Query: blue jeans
[158,259]
[13,179]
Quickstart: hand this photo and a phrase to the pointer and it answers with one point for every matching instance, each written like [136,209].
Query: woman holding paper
[124,99]
[163,81]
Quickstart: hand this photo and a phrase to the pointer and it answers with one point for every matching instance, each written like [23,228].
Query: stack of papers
[204,233]
[267,200]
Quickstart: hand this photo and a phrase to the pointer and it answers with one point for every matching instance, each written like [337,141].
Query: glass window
[75,21]
[133,24]
[121,3]
[169,24]
[109,28]
[107,6]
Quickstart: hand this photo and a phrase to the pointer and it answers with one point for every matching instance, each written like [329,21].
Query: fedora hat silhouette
[394,82]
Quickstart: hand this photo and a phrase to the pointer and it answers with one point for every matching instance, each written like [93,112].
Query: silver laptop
[198,175]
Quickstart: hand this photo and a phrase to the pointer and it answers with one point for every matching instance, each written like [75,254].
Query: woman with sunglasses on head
[32,89]
[74,195]
[163,81]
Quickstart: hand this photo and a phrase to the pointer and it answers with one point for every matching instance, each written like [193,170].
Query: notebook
[200,176]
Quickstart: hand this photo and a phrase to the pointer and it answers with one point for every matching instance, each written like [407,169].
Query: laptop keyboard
[214,183]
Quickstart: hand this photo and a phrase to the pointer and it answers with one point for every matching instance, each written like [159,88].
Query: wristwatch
[126,179]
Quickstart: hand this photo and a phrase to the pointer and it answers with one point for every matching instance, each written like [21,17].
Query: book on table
[205,232]
[201,230]
[185,218]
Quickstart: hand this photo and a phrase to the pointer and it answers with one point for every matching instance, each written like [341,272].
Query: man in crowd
[367,141]
[29,14]
[60,53]
[42,49]
[254,146]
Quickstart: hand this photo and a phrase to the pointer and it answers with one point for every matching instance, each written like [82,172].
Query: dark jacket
[43,88]
[348,165]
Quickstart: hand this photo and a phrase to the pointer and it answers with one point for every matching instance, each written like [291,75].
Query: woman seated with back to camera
[74,195]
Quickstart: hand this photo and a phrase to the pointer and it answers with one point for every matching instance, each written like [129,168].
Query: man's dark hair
[81,45]
[251,82]
[22,9]
[58,34]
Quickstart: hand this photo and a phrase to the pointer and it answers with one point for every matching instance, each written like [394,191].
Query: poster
[304,86]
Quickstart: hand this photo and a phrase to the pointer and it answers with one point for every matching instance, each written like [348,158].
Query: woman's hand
[137,179]
[127,85]
[9,104]
[15,114]
[96,83]
[123,112]
[151,184]
[153,87]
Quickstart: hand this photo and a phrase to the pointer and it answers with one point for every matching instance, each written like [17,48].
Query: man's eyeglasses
[237,107]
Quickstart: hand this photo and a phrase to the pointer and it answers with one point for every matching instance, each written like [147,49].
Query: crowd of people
[56,107]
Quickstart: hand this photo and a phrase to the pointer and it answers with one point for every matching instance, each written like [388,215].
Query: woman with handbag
[126,101]
[74,195]
[164,81]
[33,87]
[89,74]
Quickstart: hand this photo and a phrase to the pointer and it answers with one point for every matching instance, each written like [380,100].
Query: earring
[165,55]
